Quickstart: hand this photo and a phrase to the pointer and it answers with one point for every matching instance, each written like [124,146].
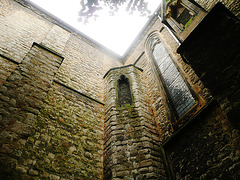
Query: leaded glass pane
[179,92]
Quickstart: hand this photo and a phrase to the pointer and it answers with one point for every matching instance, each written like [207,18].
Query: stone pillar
[21,98]
[131,148]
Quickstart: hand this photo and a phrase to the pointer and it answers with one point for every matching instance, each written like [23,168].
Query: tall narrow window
[176,88]
[124,93]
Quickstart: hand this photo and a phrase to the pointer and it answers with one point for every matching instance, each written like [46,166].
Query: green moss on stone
[189,22]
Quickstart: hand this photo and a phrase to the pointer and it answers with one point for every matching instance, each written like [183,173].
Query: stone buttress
[131,148]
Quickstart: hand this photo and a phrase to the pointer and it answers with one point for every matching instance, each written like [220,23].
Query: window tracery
[179,96]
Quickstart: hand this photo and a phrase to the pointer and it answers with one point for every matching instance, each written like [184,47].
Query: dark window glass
[184,17]
[124,93]
[178,91]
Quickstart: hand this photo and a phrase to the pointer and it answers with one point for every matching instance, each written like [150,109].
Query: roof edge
[55,20]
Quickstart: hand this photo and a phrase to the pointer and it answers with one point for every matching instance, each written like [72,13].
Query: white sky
[115,32]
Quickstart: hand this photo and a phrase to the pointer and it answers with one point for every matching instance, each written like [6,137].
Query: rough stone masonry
[64,113]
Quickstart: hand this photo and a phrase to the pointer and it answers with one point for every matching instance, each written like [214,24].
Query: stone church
[168,109]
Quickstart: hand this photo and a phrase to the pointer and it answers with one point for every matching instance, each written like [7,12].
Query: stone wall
[23,24]
[160,111]
[6,68]
[232,5]
[152,89]
[18,32]
[48,130]
[22,98]
[57,123]
[206,149]
[67,140]
[131,143]
[84,67]
[209,147]
[51,110]
[19,29]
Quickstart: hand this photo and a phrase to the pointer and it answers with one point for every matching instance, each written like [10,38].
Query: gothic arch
[178,96]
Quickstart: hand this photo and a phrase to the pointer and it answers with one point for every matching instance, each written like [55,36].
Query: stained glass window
[178,91]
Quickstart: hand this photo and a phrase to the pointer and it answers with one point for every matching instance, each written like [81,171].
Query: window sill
[196,118]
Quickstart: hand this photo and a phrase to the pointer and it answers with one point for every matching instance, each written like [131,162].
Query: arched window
[179,93]
[179,96]
[124,92]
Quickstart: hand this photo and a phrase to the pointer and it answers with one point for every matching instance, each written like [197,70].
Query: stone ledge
[9,59]
[121,68]
[139,57]
[48,49]
[68,87]
[193,120]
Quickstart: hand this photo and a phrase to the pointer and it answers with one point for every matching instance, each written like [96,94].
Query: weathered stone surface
[130,134]
[82,62]
[18,98]
[33,172]
[206,150]
[52,119]
[6,68]
[20,30]
[73,145]
[232,5]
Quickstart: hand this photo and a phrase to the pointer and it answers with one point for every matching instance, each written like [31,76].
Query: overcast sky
[115,32]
